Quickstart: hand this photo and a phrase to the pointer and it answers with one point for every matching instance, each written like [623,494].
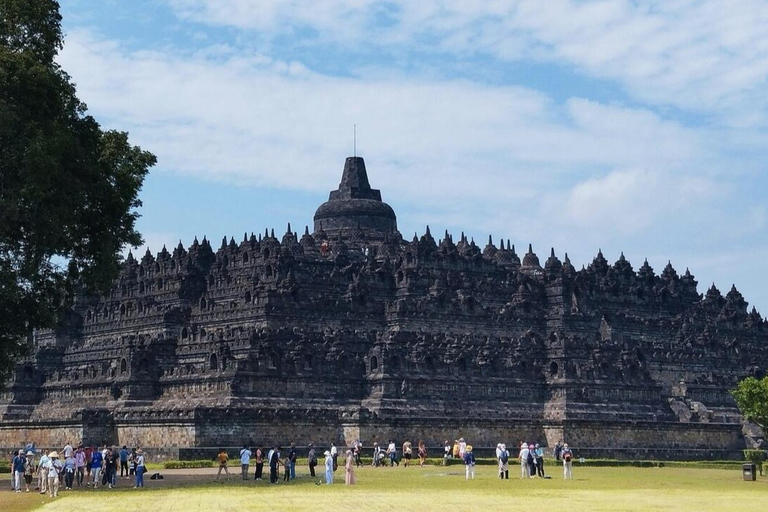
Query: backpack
[504,457]
[567,457]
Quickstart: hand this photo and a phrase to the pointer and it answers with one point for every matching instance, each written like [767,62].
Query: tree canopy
[752,398]
[68,189]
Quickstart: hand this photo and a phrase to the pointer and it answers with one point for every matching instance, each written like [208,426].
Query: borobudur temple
[353,332]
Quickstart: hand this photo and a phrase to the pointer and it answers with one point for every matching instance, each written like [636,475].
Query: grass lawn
[422,489]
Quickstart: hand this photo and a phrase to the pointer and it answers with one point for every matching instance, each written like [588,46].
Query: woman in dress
[328,468]
[350,475]
[422,453]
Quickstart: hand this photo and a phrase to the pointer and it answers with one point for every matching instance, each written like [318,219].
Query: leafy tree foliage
[752,398]
[68,189]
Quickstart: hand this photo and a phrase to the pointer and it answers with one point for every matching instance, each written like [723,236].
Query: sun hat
[469,447]
[30,453]
[327,453]
[54,455]
[21,452]
[139,451]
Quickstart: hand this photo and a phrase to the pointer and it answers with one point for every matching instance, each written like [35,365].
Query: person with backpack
[245,461]
[17,470]
[312,460]
[469,462]
[523,458]
[503,462]
[567,455]
[29,468]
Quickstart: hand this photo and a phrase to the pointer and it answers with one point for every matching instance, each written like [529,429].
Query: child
[287,465]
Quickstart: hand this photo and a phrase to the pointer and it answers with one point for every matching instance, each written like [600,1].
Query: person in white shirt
[54,469]
[523,457]
[245,461]
[462,447]
[334,456]
[42,473]
[67,451]
[392,453]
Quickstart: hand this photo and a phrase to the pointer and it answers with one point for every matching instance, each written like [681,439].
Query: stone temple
[353,332]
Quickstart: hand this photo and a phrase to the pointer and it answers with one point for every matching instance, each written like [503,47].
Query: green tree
[752,398]
[68,189]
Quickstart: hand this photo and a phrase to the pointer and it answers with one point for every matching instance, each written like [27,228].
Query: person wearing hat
[349,477]
[312,460]
[532,460]
[503,462]
[17,470]
[140,469]
[523,458]
[540,461]
[469,462]
[328,467]
[29,468]
[567,456]
[54,470]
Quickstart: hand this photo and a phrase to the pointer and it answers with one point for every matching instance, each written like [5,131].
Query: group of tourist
[76,466]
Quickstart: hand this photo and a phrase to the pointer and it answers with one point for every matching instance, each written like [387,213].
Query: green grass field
[422,489]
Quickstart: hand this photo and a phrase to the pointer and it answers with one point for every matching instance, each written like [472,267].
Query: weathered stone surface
[354,332]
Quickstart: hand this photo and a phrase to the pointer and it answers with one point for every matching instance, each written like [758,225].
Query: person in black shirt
[274,458]
[110,466]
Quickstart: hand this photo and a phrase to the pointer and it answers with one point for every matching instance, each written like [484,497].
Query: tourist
[358,452]
[54,470]
[392,453]
[540,461]
[407,453]
[29,468]
[462,447]
[124,453]
[245,461]
[88,461]
[140,469]
[328,468]
[446,452]
[532,460]
[223,459]
[96,464]
[274,460]
[558,450]
[68,450]
[525,472]
[257,475]
[455,450]
[378,455]
[312,460]
[132,463]
[422,453]
[469,462]
[70,466]
[350,474]
[292,456]
[17,470]
[567,456]
[110,467]
[287,466]
[42,473]
[334,455]
[503,462]
[80,465]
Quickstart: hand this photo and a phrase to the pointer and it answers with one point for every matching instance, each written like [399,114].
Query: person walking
[312,460]
[525,472]
[259,463]
[17,470]
[349,477]
[469,462]
[70,466]
[335,456]
[42,473]
[88,461]
[378,455]
[407,453]
[392,453]
[328,468]
[29,468]
[567,456]
[422,453]
[503,462]
[462,447]
[539,461]
[96,465]
[79,465]
[140,469]
[54,470]
[223,459]
[124,462]
[245,461]
[110,467]
[446,452]
[358,452]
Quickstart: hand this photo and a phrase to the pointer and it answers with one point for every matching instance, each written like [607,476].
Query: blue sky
[628,126]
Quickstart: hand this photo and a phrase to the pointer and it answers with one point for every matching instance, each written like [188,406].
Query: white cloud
[700,55]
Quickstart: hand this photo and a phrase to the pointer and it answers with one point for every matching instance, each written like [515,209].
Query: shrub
[757,457]
[187,464]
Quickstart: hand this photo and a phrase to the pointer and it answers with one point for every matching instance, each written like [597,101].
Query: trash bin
[749,471]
